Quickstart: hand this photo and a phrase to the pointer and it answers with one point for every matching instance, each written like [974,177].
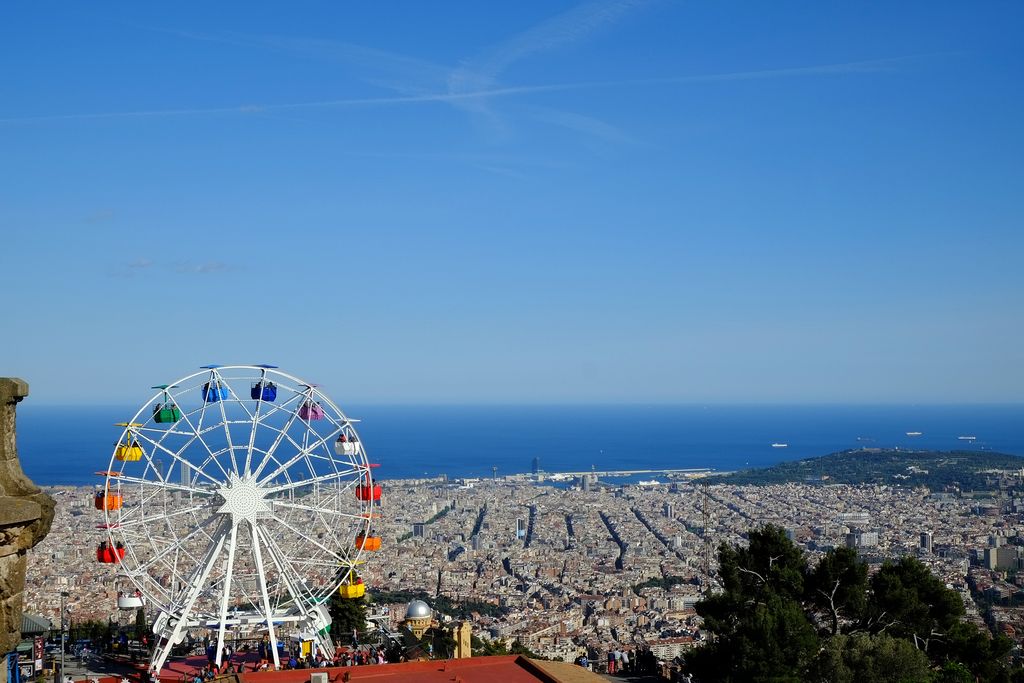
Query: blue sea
[66,445]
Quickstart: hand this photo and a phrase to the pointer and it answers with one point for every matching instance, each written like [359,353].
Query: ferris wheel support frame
[163,648]
[262,581]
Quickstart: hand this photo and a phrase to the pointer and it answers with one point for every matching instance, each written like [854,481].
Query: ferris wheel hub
[244,499]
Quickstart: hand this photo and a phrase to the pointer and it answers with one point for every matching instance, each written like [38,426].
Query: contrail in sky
[484,93]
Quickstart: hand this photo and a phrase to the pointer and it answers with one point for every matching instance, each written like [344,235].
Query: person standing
[611,661]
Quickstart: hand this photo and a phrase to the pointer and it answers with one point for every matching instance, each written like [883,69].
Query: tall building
[536,464]
[520,528]
[418,529]
[669,510]
[926,542]
[1003,557]
[862,539]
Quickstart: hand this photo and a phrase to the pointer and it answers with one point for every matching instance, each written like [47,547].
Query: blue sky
[529,202]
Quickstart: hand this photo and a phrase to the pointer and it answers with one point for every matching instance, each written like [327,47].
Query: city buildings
[567,571]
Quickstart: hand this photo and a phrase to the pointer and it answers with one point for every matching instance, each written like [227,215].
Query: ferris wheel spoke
[176,544]
[309,539]
[197,437]
[293,415]
[313,480]
[227,429]
[162,484]
[183,461]
[201,467]
[317,562]
[276,408]
[336,513]
[156,518]
[174,558]
[254,419]
[303,452]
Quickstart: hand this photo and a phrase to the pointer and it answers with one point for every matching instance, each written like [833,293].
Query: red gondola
[105,554]
[366,492]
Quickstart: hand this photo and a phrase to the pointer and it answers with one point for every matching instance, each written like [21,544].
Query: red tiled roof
[506,669]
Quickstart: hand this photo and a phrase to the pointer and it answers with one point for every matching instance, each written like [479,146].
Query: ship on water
[913,433]
[780,445]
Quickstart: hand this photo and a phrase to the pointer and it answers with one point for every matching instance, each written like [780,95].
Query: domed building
[419,618]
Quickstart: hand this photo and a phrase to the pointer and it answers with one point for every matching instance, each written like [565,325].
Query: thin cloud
[389,70]
[565,28]
[482,72]
[131,268]
[205,268]
[142,265]
[867,66]
[581,123]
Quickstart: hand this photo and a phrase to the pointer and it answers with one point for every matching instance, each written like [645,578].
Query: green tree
[983,655]
[347,614]
[908,601]
[953,672]
[442,644]
[518,648]
[487,648]
[837,587]
[141,629]
[897,624]
[762,631]
[864,657]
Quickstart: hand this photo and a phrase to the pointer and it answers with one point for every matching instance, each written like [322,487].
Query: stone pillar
[25,516]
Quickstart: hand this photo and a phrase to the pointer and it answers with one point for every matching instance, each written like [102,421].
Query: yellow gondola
[130,451]
[353,590]
[353,586]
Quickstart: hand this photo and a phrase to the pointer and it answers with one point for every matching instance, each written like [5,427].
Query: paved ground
[633,678]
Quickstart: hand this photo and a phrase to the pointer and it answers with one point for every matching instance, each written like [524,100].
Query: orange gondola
[371,543]
[107,500]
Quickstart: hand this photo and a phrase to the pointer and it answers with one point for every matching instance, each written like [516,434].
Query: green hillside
[967,470]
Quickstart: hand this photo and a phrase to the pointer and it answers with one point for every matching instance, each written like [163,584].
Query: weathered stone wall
[25,516]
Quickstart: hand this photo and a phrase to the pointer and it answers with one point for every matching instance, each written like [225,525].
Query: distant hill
[968,470]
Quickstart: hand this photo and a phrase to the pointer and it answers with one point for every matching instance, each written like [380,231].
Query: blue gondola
[263,391]
[215,391]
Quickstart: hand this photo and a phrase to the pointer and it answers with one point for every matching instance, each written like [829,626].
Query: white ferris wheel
[238,499]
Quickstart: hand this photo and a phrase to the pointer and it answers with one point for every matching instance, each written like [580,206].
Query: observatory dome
[418,609]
